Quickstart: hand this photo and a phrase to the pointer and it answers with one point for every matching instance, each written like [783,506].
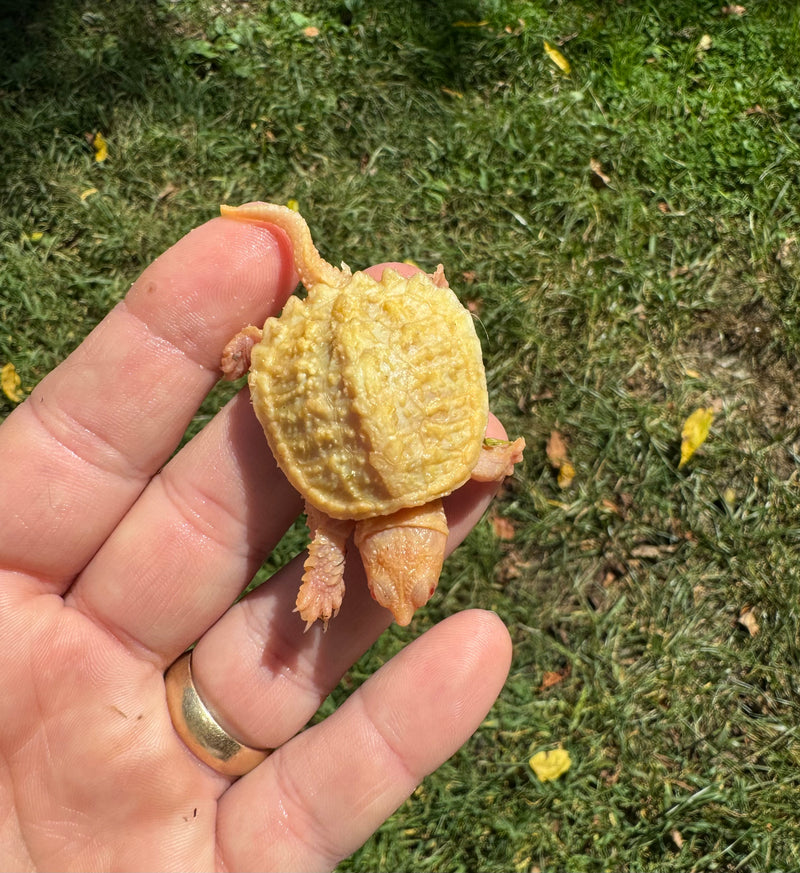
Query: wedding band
[199,730]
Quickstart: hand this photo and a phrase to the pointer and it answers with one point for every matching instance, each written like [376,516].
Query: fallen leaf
[676,838]
[167,191]
[475,306]
[734,9]
[556,450]
[553,677]
[747,619]
[451,93]
[557,58]
[503,528]
[703,46]
[520,27]
[470,23]
[100,147]
[651,552]
[610,506]
[599,179]
[11,383]
[550,765]
[694,432]
[566,474]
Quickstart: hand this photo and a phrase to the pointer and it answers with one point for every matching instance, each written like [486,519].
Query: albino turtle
[372,396]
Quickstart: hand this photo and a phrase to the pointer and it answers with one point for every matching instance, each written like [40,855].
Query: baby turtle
[372,396]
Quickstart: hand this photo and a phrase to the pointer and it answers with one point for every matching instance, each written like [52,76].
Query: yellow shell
[372,394]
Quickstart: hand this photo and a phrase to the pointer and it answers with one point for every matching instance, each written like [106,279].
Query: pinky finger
[321,796]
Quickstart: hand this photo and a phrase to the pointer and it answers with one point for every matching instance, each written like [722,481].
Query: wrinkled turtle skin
[372,396]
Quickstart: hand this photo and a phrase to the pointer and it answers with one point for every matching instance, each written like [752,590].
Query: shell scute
[372,395]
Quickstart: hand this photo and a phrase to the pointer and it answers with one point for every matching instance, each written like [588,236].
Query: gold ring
[199,730]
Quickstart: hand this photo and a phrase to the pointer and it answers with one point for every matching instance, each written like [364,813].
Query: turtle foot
[322,590]
[236,354]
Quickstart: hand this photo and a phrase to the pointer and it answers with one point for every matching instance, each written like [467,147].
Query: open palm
[115,557]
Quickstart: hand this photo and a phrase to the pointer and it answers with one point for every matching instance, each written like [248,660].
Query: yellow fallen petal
[694,432]
[88,193]
[36,236]
[100,147]
[11,383]
[293,205]
[556,450]
[566,473]
[550,765]
[557,58]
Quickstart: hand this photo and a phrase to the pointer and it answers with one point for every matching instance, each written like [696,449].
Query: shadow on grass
[71,69]
[78,64]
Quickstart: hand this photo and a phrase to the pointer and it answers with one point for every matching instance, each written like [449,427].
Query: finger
[264,676]
[193,540]
[79,451]
[319,797]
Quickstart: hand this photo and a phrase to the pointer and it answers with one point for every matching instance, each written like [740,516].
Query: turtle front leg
[322,590]
[235,360]
[497,459]
[403,555]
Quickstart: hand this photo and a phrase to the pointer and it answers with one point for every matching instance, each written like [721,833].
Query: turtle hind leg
[403,555]
[322,589]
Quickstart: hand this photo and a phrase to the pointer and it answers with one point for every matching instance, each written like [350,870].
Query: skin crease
[116,555]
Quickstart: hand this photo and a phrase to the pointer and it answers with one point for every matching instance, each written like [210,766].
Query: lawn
[613,188]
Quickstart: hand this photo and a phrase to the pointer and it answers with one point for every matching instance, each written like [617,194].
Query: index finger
[79,451]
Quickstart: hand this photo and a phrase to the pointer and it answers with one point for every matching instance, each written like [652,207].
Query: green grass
[608,312]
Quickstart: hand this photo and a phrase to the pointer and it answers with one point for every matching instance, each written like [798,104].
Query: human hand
[116,557]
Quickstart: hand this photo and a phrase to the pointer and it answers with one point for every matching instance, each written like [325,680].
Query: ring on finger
[200,731]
